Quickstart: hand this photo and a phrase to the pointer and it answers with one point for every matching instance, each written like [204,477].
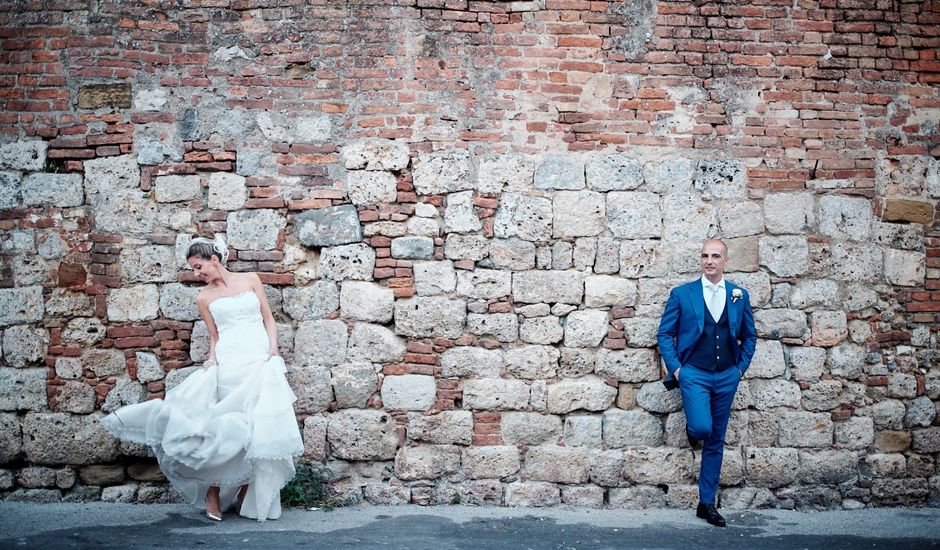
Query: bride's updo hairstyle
[204,248]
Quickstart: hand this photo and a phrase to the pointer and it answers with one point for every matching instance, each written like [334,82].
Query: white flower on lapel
[736,294]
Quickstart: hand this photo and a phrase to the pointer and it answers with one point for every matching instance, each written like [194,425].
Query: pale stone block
[60,438]
[578,214]
[459,215]
[529,428]
[364,301]
[586,328]
[255,229]
[348,262]
[605,290]
[375,343]
[532,362]
[227,191]
[613,172]
[426,461]
[495,394]
[444,428]
[789,213]
[409,392]
[525,217]
[471,362]
[24,345]
[576,362]
[856,262]
[588,393]
[176,188]
[804,429]
[504,327]
[541,330]
[829,467]
[375,154]
[148,264]
[25,155]
[353,384]
[556,464]
[532,494]
[440,173]
[135,303]
[484,283]
[628,365]
[689,219]
[780,323]
[669,176]
[634,215]
[466,247]
[904,268]
[314,436]
[367,188]
[23,389]
[771,467]
[768,360]
[434,278]
[179,302]
[512,254]
[653,466]
[510,173]
[61,190]
[430,316]
[786,256]
[846,360]
[321,342]
[721,178]
[362,435]
[311,385]
[332,226]
[644,258]
[774,392]
[631,429]
[856,433]
[814,293]
[844,217]
[654,397]
[740,219]
[548,286]
[559,172]
[583,431]
[490,461]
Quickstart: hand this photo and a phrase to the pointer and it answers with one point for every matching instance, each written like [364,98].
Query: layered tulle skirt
[224,426]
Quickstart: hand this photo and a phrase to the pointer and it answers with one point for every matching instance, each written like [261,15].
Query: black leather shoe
[709,513]
[694,443]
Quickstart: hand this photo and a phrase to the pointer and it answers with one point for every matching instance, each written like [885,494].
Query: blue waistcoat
[712,350]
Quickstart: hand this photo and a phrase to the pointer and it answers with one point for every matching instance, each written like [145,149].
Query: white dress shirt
[715,303]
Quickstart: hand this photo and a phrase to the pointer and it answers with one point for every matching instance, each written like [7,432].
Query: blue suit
[706,394]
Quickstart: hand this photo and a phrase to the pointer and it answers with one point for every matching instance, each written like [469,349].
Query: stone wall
[467,216]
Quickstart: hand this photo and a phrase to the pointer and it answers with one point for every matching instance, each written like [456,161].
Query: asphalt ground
[111,526]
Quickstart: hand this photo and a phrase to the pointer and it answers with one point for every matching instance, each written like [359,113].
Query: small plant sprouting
[309,489]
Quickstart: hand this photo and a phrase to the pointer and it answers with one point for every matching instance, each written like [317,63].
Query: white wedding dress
[224,425]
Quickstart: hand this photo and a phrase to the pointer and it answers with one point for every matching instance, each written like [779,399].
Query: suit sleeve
[748,336]
[668,330]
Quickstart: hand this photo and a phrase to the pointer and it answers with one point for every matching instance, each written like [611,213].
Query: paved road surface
[107,526]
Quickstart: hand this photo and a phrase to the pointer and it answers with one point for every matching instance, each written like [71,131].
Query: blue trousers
[706,399]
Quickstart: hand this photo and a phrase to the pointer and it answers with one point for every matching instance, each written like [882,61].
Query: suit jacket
[683,321]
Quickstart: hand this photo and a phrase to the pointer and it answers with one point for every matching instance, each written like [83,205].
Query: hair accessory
[218,245]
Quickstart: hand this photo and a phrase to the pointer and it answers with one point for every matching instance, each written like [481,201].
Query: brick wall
[834,98]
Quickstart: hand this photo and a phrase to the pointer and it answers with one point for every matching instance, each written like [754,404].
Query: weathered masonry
[467,216]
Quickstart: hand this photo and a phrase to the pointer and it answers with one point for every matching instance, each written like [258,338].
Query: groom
[706,339]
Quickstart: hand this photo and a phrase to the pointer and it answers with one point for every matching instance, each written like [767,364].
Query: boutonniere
[736,294]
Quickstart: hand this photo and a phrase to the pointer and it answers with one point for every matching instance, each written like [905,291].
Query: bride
[228,432]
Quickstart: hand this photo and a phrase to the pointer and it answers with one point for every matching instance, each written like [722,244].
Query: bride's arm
[270,326]
[210,324]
